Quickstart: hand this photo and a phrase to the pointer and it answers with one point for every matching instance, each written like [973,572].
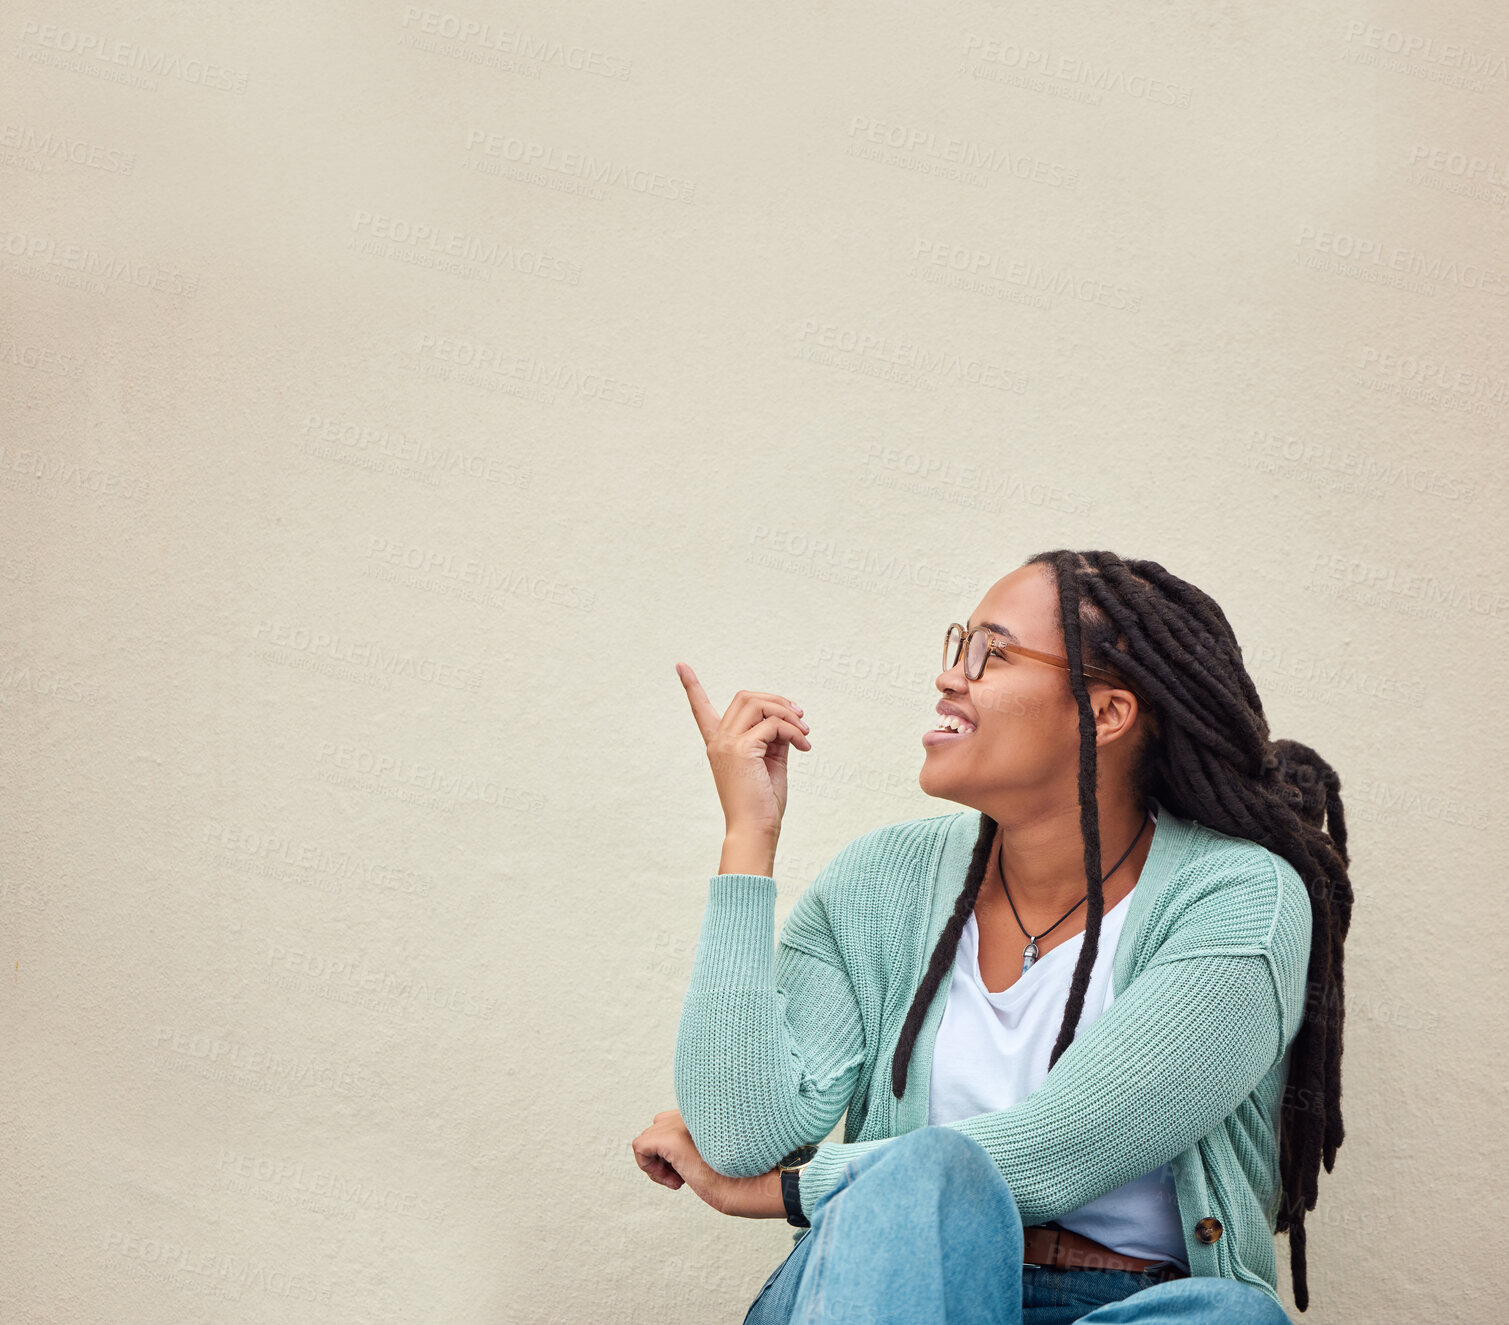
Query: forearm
[764,1199]
[748,853]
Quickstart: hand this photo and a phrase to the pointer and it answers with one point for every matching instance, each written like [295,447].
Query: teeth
[951,722]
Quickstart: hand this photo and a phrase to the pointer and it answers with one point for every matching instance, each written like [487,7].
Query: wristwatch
[791,1173]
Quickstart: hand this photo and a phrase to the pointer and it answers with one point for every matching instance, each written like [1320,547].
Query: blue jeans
[926,1230]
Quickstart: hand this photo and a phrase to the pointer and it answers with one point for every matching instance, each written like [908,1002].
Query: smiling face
[1024,749]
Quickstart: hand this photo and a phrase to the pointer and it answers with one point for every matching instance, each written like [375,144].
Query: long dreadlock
[1208,758]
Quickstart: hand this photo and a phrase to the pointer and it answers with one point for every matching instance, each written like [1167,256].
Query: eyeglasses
[982,644]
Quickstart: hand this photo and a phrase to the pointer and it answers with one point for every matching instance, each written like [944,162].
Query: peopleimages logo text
[584,165]
[1086,288]
[1410,46]
[1414,261]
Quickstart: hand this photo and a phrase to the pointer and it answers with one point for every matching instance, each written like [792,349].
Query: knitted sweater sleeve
[770,1043]
[1172,1056]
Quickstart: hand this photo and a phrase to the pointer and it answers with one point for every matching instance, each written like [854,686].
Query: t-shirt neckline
[1021,982]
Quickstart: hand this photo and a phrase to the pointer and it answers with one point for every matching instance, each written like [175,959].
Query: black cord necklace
[1030,952]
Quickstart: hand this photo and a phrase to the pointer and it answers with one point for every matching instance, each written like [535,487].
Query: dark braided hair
[1208,757]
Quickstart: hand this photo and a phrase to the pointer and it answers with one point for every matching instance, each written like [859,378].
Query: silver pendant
[1029,955]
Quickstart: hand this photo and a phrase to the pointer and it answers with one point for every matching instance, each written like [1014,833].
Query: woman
[1131,1155]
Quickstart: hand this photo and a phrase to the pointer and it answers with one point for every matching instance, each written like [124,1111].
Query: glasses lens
[975,655]
[951,643]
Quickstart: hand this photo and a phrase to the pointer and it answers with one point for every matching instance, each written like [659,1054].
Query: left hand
[666,1152]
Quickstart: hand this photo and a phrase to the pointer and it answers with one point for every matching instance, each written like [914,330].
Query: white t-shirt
[992,1052]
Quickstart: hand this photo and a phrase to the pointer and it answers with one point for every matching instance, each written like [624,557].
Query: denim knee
[1212,1297]
[1238,1301]
[947,1145]
[948,1151]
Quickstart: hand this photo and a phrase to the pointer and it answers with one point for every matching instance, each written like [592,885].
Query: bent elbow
[734,1127]
[729,1148]
[738,1161]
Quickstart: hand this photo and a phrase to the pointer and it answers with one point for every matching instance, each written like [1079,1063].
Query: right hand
[747,750]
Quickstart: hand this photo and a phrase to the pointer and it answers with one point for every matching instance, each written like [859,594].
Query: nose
[952,682]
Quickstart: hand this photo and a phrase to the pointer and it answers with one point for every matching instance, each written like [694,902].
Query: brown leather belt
[1062,1248]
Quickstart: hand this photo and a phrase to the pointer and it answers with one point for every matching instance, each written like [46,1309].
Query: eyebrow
[999,629]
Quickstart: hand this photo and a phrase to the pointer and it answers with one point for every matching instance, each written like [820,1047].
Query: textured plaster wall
[393,394]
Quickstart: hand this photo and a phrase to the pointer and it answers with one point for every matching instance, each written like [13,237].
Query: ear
[1115,710]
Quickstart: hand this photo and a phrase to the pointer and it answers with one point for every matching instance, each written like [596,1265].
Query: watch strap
[791,1194]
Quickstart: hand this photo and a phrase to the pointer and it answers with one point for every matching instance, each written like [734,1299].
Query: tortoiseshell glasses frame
[956,642]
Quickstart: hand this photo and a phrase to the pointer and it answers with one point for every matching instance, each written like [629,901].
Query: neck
[1043,855]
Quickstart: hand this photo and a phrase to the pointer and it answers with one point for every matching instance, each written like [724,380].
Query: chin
[933,785]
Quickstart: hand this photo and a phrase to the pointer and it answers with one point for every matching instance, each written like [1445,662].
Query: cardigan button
[1208,1229]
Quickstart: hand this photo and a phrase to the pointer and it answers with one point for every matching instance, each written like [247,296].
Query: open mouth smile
[951,727]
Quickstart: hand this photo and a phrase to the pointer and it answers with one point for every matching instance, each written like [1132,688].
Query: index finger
[703,711]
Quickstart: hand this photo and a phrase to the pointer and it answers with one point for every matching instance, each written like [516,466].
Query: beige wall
[366,469]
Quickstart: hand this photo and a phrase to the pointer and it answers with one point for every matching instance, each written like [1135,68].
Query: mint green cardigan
[1186,1066]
